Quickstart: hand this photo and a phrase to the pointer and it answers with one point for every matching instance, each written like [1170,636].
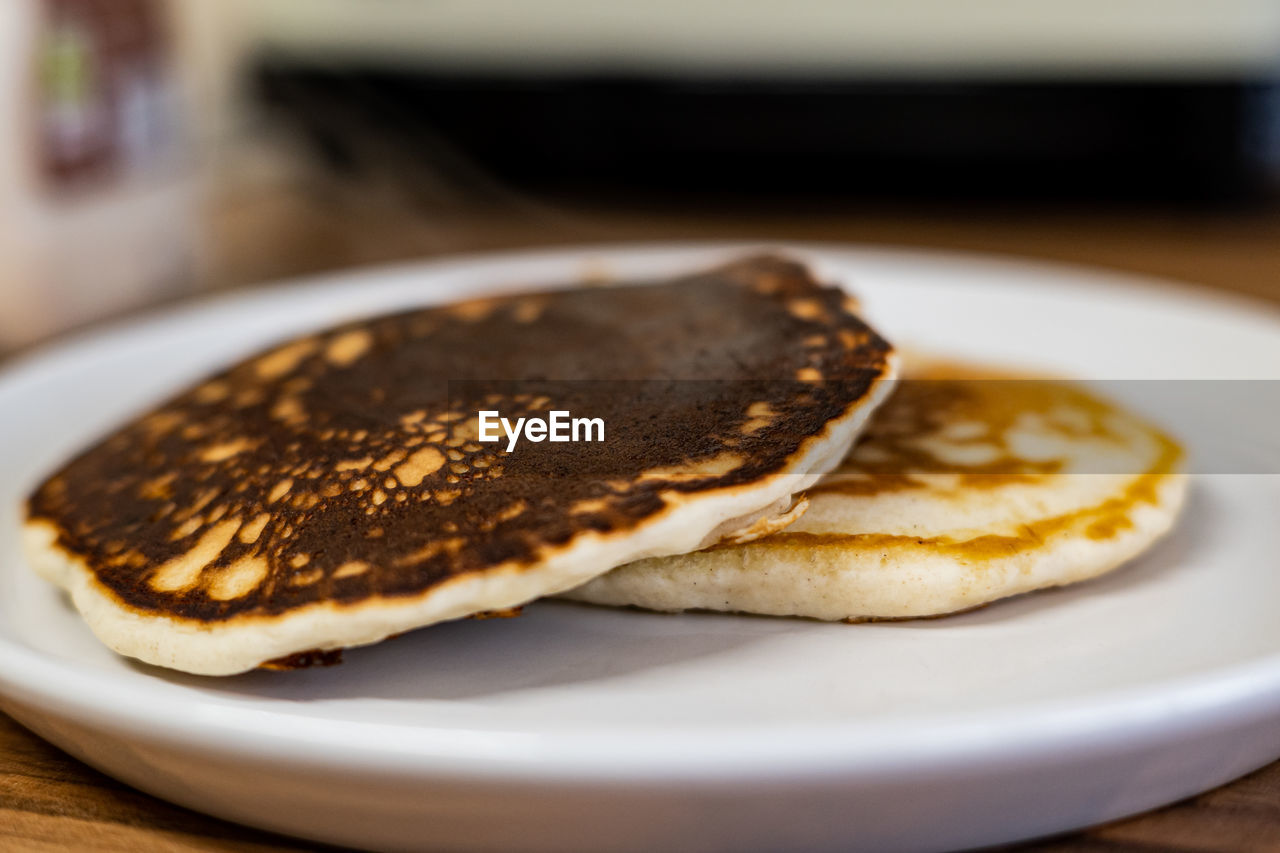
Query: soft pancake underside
[963,490]
[333,491]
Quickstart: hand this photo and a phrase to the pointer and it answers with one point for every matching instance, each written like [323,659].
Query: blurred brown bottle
[97,194]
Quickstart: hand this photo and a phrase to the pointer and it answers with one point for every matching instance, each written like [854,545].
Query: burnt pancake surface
[334,490]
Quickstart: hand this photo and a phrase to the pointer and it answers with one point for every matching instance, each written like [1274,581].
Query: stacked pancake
[968,486]
[341,488]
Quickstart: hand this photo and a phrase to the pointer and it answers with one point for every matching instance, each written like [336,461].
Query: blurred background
[151,149]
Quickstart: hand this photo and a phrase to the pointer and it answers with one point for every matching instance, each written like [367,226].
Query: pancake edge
[751,579]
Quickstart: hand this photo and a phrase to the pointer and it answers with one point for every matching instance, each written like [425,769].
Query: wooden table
[49,801]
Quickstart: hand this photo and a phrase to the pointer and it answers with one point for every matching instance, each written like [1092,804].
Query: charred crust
[304,660]
[338,467]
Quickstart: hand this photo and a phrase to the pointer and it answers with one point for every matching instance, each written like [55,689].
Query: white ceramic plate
[580,728]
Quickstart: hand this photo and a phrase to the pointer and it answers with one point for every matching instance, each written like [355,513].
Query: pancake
[967,487]
[336,489]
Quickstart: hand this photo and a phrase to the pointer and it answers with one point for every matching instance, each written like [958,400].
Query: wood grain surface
[49,801]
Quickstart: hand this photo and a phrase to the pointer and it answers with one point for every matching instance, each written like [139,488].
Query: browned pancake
[333,490]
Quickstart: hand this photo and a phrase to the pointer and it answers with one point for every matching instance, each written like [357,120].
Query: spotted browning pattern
[951,431]
[346,466]
[961,422]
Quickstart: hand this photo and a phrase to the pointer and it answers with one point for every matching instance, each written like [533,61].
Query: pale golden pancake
[336,490]
[967,487]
